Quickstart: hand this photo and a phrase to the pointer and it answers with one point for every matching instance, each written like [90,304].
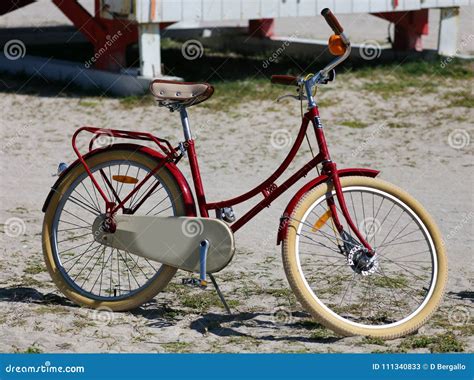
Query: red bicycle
[361,255]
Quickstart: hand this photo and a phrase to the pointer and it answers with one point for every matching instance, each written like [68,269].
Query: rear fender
[311,185]
[176,173]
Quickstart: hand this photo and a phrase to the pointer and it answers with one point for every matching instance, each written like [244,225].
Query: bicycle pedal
[195,282]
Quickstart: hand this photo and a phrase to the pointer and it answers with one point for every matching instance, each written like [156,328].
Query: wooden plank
[169,10]
[411,4]
[232,10]
[343,6]
[429,4]
[361,6]
[212,10]
[191,10]
[269,8]
[325,4]
[250,10]
[288,8]
[306,8]
[381,6]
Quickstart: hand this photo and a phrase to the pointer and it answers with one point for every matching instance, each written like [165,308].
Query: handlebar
[332,21]
[324,75]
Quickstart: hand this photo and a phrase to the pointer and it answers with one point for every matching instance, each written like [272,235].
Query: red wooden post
[264,27]
[110,38]
[409,27]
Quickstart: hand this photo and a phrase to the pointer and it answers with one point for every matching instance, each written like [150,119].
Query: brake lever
[299,97]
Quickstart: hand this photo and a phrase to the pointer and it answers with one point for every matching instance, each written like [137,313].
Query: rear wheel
[387,297]
[92,274]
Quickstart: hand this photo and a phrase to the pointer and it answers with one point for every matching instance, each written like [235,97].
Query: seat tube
[193,163]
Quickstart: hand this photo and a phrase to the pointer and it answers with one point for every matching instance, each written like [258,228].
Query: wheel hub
[361,262]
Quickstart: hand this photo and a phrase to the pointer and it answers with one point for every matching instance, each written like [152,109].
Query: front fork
[330,169]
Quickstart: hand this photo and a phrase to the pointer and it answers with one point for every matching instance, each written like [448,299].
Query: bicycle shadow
[212,323]
[31,295]
[152,311]
[462,295]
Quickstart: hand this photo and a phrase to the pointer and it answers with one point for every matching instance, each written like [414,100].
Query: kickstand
[219,293]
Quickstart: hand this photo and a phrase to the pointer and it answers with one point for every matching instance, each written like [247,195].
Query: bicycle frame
[267,188]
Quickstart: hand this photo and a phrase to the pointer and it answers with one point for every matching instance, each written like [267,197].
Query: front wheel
[387,297]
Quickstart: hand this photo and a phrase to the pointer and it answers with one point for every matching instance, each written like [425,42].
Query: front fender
[178,176]
[311,185]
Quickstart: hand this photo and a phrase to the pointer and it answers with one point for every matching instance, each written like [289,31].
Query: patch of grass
[242,91]
[354,124]
[50,310]
[81,323]
[88,103]
[456,69]
[29,281]
[177,347]
[390,282]
[321,333]
[34,268]
[135,101]
[424,76]
[33,349]
[460,99]
[446,342]
[280,293]
[399,125]
[373,340]
[201,302]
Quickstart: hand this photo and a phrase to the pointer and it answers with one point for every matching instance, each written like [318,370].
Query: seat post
[185,122]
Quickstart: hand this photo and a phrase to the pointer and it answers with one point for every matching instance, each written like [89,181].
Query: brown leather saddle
[174,94]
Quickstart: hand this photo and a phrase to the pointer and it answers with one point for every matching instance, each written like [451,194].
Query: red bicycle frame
[267,188]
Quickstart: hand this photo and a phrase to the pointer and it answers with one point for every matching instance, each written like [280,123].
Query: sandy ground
[424,148]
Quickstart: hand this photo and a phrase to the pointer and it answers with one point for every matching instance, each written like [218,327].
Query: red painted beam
[110,38]
[409,27]
[263,28]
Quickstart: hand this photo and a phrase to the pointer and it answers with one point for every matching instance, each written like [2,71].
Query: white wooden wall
[218,10]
